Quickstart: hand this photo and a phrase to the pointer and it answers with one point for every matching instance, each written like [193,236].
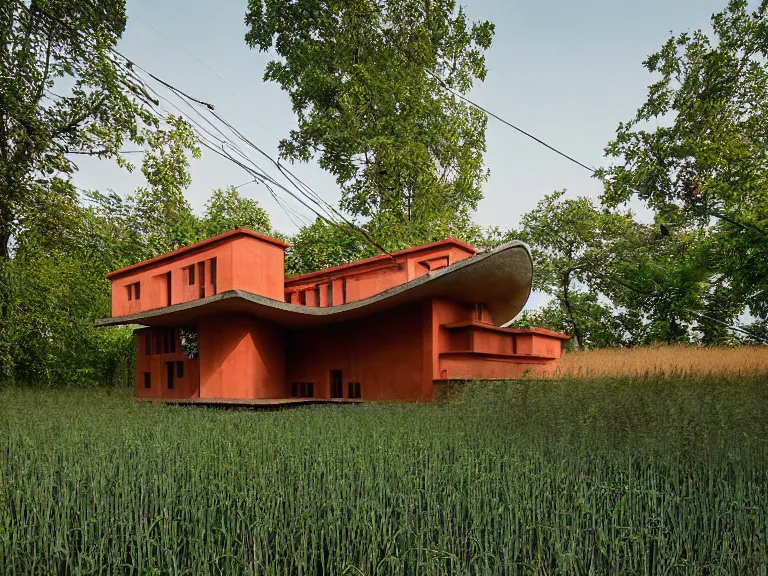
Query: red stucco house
[223,323]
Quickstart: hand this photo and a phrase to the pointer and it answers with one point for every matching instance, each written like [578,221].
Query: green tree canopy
[696,151]
[365,78]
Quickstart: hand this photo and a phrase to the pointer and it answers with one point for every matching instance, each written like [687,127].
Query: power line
[258,174]
[198,60]
[506,122]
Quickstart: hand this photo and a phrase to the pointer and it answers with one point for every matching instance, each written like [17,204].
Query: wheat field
[677,360]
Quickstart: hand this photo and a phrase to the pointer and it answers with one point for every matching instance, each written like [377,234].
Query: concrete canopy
[499,278]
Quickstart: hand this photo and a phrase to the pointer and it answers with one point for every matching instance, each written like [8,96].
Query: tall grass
[655,476]
[660,360]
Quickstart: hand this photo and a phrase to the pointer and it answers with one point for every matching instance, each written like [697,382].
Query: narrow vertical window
[170,368]
[137,291]
[213,275]
[337,386]
[191,275]
[168,287]
[201,275]
[130,292]
[147,380]
[357,390]
[295,389]
[310,390]
[330,293]
[179,369]
[344,291]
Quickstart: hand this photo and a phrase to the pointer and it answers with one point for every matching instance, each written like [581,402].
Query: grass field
[666,361]
[648,476]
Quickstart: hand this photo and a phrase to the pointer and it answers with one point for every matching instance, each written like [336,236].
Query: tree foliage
[696,150]
[366,79]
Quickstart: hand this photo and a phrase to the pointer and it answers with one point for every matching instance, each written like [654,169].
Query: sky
[563,70]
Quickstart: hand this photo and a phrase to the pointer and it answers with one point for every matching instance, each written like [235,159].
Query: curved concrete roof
[499,278]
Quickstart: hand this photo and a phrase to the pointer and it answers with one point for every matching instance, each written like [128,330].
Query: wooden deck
[266,403]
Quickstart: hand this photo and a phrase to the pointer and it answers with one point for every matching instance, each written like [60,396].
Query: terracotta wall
[384,353]
[357,281]
[156,365]
[241,357]
[241,262]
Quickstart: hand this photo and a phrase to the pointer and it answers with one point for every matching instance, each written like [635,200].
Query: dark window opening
[213,274]
[317,295]
[168,288]
[137,291]
[337,386]
[302,390]
[148,344]
[344,291]
[191,275]
[147,380]
[201,274]
[330,294]
[353,390]
[169,366]
[303,298]
[179,369]
[130,292]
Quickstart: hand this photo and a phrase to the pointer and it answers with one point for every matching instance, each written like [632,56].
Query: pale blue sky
[566,71]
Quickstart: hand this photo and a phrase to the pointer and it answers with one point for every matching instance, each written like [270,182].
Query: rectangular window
[302,390]
[353,390]
[201,275]
[172,338]
[337,386]
[170,368]
[168,289]
[179,369]
[191,275]
[213,274]
[330,294]
[134,291]
[147,380]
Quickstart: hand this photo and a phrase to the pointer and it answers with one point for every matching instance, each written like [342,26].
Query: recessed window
[213,274]
[134,291]
[303,390]
[337,386]
[179,369]
[201,275]
[147,380]
[353,390]
[170,369]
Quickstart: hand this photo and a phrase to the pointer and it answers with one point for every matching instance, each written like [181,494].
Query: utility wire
[258,174]
[215,73]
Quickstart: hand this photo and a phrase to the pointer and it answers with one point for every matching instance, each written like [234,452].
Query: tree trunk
[569,310]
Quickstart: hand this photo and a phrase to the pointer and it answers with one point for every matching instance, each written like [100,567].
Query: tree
[696,150]
[48,45]
[367,81]
[322,245]
[227,210]
[574,244]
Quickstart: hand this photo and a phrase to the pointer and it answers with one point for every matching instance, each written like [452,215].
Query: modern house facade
[221,322]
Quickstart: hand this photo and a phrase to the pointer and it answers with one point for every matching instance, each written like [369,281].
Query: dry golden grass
[675,360]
